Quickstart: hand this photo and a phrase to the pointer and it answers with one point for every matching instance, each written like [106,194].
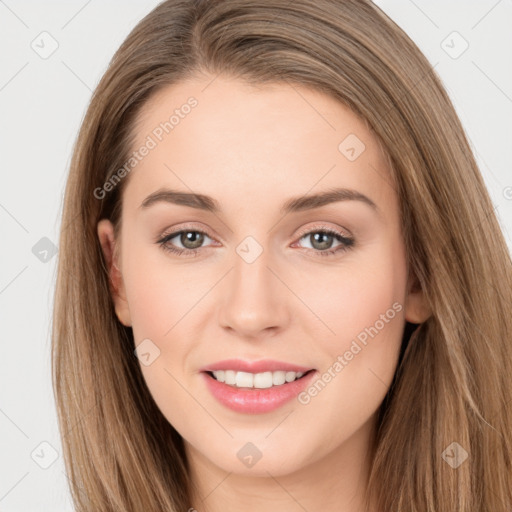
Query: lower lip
[256,401]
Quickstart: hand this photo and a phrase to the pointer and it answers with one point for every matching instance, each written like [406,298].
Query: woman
[281,278]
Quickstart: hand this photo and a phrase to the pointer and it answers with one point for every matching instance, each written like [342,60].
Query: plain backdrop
[43,98]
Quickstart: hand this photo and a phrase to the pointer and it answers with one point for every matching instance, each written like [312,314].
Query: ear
[417,309]
[105,231]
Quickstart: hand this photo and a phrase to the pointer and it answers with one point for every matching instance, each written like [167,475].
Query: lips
[255,386]
[255,380]
[264,365]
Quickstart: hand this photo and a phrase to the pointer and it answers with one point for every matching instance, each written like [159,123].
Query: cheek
[363,303]
[359,362]
[363,296]
[165,308]
[353,295]
[159,293]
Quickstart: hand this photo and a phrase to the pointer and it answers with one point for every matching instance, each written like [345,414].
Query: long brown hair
[453,382]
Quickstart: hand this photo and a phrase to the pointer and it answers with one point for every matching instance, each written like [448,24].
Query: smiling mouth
[263,380]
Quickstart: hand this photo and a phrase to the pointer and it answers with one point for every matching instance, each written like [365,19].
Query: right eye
[191,241]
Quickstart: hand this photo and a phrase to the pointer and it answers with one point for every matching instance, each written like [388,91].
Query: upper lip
[263,365]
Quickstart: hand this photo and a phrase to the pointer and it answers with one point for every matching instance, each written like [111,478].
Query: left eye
[322,240]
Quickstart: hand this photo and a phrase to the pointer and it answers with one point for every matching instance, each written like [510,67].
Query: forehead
[218,136]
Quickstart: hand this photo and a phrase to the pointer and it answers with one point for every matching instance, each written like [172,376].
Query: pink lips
[251,400]
[265,365]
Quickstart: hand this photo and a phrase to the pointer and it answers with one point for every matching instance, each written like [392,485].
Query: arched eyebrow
[333,195]
[294,204]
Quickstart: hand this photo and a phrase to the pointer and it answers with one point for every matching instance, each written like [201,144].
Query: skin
[251,149]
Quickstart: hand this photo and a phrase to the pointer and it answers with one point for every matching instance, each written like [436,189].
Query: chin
[253,459]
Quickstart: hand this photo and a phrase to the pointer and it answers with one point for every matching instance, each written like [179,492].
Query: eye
[322,240]
[191,241]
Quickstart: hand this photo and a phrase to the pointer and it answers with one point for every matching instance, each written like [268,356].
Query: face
[260,273]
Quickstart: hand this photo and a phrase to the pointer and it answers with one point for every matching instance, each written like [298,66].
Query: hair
[452,382]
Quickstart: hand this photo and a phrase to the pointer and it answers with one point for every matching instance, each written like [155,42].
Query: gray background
[42,102]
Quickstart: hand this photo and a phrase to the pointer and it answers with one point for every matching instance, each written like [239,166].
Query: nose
[254,301]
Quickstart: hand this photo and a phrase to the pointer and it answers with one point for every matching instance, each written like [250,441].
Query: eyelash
[346,242]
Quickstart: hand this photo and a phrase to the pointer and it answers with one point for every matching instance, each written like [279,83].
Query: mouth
[262,380]
[256,387]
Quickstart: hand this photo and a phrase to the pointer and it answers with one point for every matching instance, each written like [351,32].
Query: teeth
[255,380]
[290,376]
[229,377]
[244,380]
[278,378]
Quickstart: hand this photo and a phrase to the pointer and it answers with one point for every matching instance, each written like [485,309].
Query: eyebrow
[294,204]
